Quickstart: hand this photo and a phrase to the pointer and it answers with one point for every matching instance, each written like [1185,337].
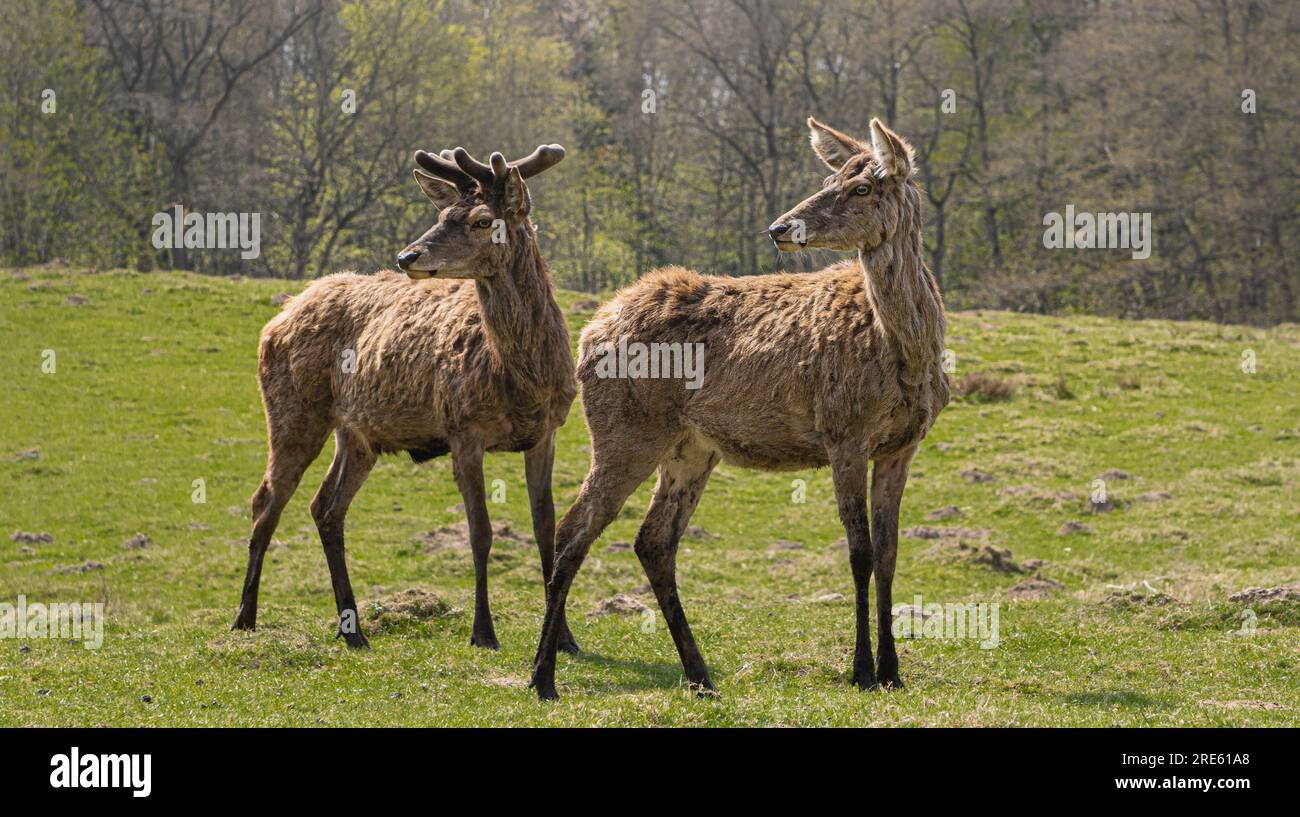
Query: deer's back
[790,361]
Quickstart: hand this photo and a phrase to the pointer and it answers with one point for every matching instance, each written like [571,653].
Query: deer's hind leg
[682,478]
[296,436]
[618,467]
[353,460]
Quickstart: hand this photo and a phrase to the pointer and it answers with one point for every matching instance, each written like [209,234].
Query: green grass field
[154,387]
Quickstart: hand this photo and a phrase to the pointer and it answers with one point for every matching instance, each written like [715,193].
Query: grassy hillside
[1126,621]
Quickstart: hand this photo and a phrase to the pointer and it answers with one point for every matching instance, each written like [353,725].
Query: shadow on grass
[633,676]
[1122,698]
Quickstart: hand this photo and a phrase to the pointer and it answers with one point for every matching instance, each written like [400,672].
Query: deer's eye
[483,223]
[862,189]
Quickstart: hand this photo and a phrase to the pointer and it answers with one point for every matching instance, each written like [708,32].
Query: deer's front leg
[887,482]
[849,473]
[467,464]
[538,463]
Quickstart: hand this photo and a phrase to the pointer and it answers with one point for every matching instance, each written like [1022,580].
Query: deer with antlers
[841,367]
[468,352]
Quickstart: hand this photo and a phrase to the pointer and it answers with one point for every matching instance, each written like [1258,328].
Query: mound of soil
[1035,588]
[1125,597]
[1074,527]
[1264,595]
[456,536]
[946,512]
[72,570]
[997,558]
[785,544]
[621,605]
[939,532]
[28,538]
[696,532]
[406,606]
[137,542]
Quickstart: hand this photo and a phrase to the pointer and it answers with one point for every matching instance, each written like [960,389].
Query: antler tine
[544,157]
[473,167]
[441,167]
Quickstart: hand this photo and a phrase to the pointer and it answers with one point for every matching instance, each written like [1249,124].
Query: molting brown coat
[841,367]
[468,354]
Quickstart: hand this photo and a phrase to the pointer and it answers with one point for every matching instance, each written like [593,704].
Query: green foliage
[74,179]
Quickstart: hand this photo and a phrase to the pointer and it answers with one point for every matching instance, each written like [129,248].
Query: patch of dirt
[828,598]
[618,547]
[29,454]
[28,538]
[1100,507]
[785,544]
[76,300]
[976,476]
[1263,595]
[72,570]
[696,532]
[137,542]
[585,305]
[456,536]
[946,512]
[280,298]
[1035,588]
[1033,565]
[1269,705]
[939,532]
[621,605]
[406,606]
[1116,473]
[1073,527]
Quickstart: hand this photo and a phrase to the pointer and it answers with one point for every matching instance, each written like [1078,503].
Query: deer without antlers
[841,367]
[428,366]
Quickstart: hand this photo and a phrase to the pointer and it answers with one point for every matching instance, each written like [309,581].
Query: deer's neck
[905,297]
[524,325]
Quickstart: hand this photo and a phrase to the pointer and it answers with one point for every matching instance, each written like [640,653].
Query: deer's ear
[441,193]
[516,193]
[831,146]
[893,154]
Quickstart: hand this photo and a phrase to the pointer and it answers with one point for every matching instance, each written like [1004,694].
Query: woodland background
[242,105]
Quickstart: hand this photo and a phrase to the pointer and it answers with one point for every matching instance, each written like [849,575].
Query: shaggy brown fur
[429,367]
[837,368]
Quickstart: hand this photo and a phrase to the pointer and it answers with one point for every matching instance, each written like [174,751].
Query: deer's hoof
[356,641]
[487,641]
[244,621]
[544,683]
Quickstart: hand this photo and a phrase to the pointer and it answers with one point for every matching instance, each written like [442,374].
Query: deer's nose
[406,258]
[777,229]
